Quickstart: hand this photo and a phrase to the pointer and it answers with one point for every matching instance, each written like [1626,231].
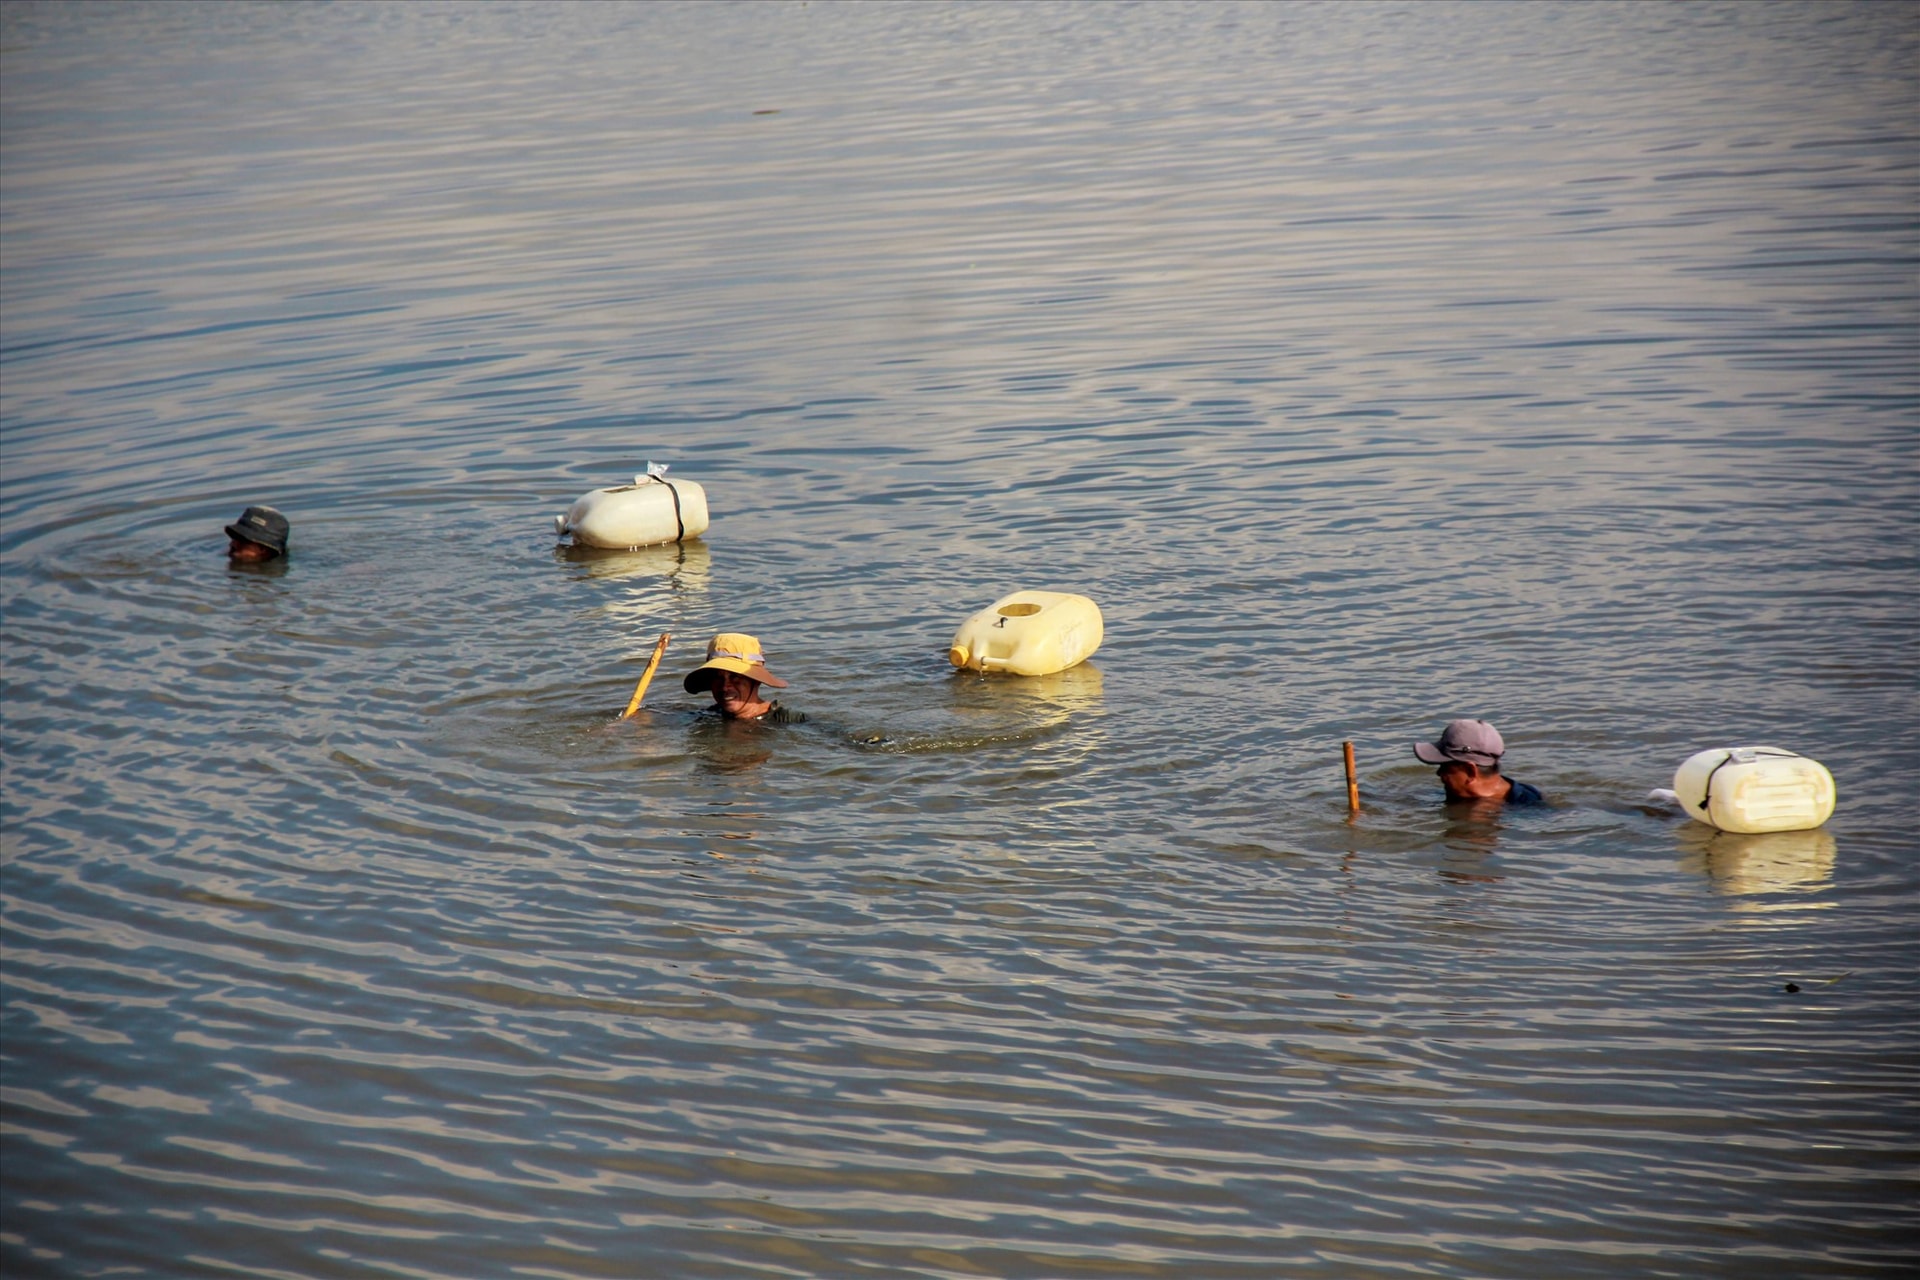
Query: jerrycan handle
[1706,788]
[657,474]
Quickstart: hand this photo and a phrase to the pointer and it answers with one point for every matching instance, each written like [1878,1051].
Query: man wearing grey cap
[1468,754]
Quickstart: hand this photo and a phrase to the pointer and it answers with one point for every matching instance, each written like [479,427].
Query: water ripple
[1368,367]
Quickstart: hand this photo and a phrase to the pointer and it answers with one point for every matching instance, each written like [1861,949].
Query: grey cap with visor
[1474,742]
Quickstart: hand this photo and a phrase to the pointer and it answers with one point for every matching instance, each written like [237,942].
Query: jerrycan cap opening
[1019,609]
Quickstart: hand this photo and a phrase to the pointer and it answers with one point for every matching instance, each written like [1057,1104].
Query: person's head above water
[1468,753]
[733,672]
[259,534]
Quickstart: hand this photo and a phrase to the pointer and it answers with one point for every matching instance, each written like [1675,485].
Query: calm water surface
[1369,365]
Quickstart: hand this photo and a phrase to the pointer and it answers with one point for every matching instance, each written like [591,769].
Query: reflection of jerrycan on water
[686,565]
[1766,862]
[1077,688]
[1029,633]
[979,714]
[656,585]
[1033,700]
[1755,789]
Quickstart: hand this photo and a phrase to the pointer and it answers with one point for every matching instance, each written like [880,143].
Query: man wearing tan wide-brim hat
[733,672]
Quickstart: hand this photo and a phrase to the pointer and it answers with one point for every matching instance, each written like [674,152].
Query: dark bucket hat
[263,525]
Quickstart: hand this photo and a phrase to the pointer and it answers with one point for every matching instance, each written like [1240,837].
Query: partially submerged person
[259,535]
[1468,753]
[733,673]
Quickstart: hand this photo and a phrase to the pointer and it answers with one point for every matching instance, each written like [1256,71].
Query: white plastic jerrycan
[651,510]
[1029,633]
[1755,789]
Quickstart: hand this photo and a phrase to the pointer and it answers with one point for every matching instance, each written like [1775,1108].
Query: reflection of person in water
[1468,754]
[733,673]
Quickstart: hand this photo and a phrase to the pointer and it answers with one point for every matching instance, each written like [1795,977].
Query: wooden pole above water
[1353,784]
[646,677]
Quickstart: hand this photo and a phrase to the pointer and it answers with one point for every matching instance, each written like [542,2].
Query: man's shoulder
[783,715]
[1522,793]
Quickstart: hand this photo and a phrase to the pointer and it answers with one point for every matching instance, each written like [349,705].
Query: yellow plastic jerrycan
[1753,789]
[1029,633]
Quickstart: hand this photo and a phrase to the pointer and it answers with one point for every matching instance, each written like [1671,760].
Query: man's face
[735,695]
[242,551]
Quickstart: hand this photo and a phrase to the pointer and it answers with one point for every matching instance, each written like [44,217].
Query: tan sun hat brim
[700,679]
[735,652]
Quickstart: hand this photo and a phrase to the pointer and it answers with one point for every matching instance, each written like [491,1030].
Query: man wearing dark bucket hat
[1468,754]
[260,534]
[733,673]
